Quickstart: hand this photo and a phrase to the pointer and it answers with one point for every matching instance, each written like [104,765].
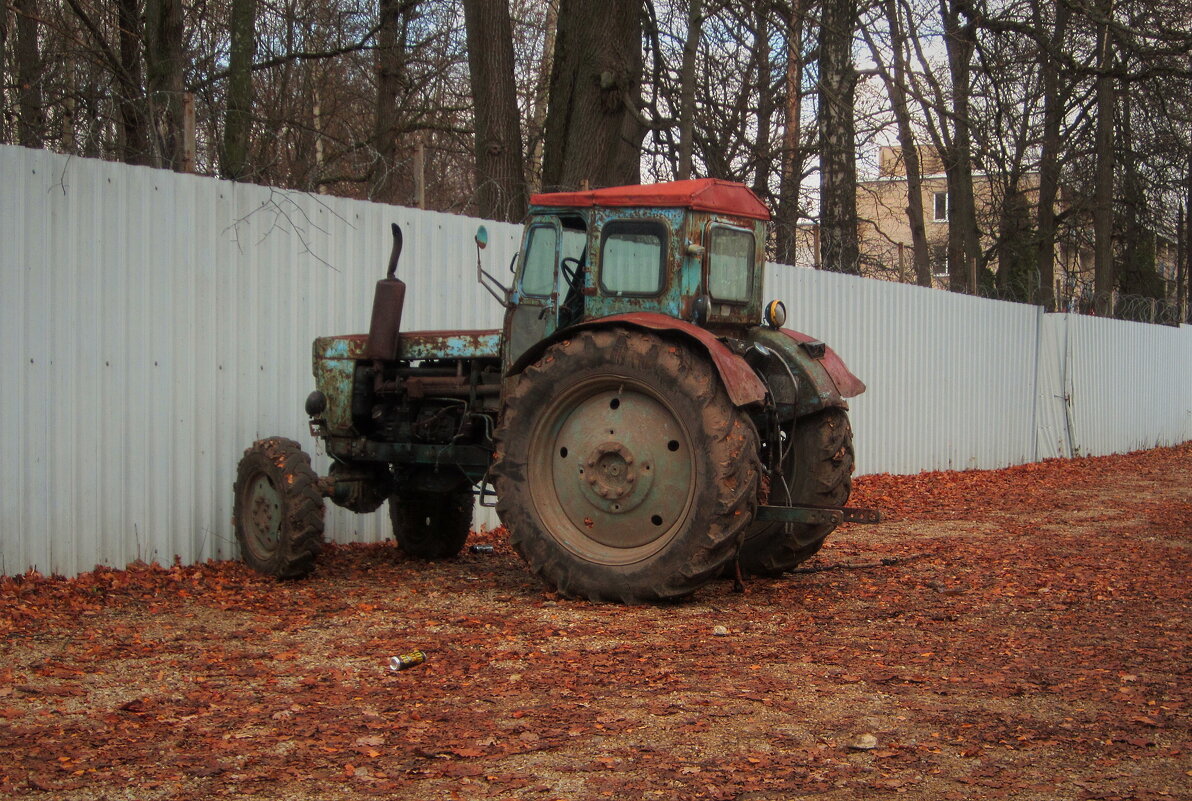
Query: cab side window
[730,264]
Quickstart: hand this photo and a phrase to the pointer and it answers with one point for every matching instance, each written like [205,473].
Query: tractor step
[817,515]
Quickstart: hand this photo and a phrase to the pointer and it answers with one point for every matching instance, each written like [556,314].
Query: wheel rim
[263,518]
[612,470]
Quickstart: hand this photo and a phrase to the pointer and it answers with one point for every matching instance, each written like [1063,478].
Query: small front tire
[277,509]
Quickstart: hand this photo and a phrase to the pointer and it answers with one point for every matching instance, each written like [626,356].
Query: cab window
[730,264]
[575,239]
[632,257]
[538,274]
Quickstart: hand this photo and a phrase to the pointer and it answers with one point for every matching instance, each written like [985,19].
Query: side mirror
[494,287]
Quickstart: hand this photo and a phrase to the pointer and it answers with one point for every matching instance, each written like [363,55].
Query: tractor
[642,420]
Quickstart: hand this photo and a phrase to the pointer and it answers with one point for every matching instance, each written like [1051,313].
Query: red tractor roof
[704,194]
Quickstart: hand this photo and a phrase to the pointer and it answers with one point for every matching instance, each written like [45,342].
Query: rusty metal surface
[847,384]
[741,383]
[472,459]
[389,299]
[437,386]
[817,514]
[415,345]
[702,194]
[799,514]
[813,389]
[334,369]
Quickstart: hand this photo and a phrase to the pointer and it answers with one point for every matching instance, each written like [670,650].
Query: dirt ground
[1022,633]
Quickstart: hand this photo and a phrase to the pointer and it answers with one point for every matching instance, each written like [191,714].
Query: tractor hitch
[817,515]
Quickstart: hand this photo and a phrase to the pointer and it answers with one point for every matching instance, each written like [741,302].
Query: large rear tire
[623,472]
[819,473]
[277,510]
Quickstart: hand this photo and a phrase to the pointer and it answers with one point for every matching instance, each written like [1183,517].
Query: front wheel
[623,472]
[277,510]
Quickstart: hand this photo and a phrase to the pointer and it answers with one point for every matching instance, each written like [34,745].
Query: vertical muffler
[388,300]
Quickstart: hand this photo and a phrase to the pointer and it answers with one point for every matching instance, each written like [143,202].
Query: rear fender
[821,377]
[739,379]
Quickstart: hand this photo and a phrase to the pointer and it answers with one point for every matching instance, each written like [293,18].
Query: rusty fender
[741,383]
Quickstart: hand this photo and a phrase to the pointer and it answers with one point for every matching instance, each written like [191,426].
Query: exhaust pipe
[388,300]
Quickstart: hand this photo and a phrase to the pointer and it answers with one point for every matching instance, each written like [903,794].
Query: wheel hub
[612,479]
[620,469]
[264,511]
[610,470]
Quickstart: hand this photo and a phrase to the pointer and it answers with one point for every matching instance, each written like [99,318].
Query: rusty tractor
[641,431]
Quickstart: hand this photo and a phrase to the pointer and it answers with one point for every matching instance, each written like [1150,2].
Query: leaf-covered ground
[1021,633]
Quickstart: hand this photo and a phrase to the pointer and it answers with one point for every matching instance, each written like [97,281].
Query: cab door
[551,274]
[535,290]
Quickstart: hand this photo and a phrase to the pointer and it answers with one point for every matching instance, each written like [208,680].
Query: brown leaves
[1009,631]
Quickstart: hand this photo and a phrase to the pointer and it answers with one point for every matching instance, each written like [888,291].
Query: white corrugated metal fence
[152,325]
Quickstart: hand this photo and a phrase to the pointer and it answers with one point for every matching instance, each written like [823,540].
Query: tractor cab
[692,250]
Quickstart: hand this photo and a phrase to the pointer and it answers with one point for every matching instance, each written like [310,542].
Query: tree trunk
[238,120]
[541,91]
[765,104]
[1103,277]
[840,250]
[134,120]
[31,120]
[786,220]
[1184,291]
[1181,249]
[695,22]
[896,87]
[165,64]
[964,248]
[392,181]
[593,132]
[1016,250]
[1049,163]
[500,180]
[1134,247]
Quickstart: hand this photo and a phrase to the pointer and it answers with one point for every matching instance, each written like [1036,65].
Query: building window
[941,206]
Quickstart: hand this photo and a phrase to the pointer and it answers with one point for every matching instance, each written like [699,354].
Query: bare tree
[894,77]
[539,92]
[1104,149]
[839,247]
[239,114]
[964,250]
[165,73]
[787,212]
[594,127]
[1049,156]
[500,178]
[687,79]
[31,119]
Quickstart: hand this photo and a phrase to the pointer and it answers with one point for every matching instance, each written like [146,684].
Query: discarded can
[404,661]
[481,549]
